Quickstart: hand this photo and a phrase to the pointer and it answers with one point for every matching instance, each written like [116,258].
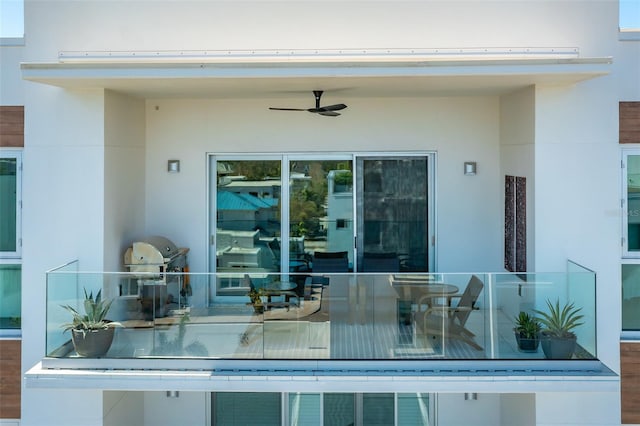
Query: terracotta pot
[92,343]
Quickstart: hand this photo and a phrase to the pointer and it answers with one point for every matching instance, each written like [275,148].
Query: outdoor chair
[312,282]
[330,261]
[448,320]
[380,262]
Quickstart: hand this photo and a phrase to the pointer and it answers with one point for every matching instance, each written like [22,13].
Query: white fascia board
[317,55]
[322,376]
[40,378]
[53,71]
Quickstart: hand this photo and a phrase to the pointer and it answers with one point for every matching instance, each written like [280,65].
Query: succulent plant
[560,322]
[527,326]
[96,310]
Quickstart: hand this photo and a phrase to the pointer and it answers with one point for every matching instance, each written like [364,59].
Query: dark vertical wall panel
[509,224]
[521,224]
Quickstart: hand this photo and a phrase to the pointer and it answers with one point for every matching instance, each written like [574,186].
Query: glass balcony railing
[345,316]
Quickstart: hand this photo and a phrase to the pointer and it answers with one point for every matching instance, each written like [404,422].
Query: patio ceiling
[278,76]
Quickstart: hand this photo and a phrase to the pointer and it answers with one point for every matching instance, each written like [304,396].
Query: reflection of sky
[11,18]
[630,14]
[12,21]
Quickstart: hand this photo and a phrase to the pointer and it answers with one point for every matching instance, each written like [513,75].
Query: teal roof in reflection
[241,201]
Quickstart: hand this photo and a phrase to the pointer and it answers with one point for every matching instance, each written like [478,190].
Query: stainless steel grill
[149,261]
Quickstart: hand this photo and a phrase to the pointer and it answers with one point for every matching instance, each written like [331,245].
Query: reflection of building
[245,249]
[245,212]
[242,220]
[258,188]
[339,224]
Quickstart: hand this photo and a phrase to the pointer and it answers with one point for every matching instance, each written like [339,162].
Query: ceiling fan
[329,110]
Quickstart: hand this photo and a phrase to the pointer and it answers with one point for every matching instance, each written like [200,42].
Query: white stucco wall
[63,213]
[197,25]
[11,85]
[517,148]
[458,129]
[124,178]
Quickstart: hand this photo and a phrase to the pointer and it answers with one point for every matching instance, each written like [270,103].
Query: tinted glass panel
[10,310]
[631,297]
[246,408]
[377,409]
[8,195]
[304,409]
[393,226]
[413,409]
[339,409]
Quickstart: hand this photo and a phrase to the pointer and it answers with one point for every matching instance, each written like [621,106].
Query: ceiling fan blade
[329,113]
[336,107]
[287,109]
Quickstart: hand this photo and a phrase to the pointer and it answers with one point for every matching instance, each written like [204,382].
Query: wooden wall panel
[630,382]
[10,375]
[12,126]
[629,122]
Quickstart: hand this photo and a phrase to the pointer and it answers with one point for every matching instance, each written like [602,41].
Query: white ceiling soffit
[279,73]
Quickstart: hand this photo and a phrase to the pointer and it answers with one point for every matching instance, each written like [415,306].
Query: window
[631,203]
[10,241]
[629,20]
[11,21]
[10,207]
[631,297]
[328,409]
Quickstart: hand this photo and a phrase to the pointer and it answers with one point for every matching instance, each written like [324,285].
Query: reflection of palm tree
[176,346]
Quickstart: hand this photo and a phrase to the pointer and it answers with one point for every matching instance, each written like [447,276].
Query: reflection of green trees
[308,201]
[256,169]
[307,197]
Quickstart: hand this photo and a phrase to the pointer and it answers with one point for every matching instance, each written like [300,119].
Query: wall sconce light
[173,394]
[470,396]
[470,168]
[173,166]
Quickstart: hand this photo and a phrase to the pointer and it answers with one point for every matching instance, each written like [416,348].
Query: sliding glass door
[320,209]
[276,213]
[393,214]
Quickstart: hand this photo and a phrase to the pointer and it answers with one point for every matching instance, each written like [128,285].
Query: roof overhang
[249,74]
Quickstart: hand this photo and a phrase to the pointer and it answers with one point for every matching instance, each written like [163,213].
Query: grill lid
[155,250]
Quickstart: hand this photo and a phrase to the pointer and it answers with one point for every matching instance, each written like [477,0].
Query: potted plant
[255,295]
[91,333]
[557,337]
[527,332]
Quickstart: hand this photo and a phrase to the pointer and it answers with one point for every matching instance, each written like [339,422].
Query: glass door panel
[632,219]
[248,215]
[8,206]
[378,409]
[320,210]
[393,219]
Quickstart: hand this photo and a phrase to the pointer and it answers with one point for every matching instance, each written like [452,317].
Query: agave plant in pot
[557,337]
[91,333]
[527,331]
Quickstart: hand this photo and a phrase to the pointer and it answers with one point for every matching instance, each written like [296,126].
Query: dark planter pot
[525,344]
[258,309]
[92,343]
[558,347]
